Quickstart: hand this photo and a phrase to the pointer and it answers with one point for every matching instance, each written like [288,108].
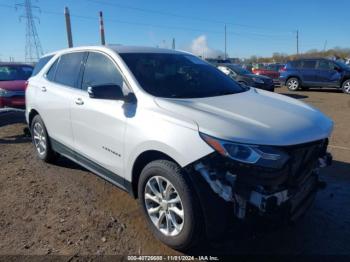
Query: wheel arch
[31,116]
[343,80]
[294,76]
[141,161]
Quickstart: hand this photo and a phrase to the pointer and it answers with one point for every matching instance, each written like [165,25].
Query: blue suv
[305,73]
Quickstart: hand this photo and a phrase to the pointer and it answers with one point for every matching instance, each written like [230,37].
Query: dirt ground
[63,209]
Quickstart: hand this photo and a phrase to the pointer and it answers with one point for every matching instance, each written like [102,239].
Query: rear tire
[177,225]
[41,140]
[293,84]
[346,86]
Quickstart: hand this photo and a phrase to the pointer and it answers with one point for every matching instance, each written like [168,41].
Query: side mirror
[112,92]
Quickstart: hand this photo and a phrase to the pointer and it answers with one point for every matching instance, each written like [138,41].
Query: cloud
[199,47]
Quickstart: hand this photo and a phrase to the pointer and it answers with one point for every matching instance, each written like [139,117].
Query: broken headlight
[266,156]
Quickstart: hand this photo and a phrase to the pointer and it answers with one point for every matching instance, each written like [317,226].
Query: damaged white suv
[191,143]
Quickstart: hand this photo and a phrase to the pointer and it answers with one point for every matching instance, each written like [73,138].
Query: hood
[16,85]
[255,117]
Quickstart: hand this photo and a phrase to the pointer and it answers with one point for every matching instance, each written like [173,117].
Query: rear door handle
[79,101]
[43,89]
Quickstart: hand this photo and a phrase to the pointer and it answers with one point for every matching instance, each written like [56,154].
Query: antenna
[33,49]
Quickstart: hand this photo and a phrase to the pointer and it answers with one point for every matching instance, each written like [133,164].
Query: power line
[248,35]
[164,13]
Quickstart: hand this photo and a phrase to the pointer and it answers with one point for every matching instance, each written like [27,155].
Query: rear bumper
[15,102]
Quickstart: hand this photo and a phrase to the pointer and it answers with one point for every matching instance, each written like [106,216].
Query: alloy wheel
[347,87]
[39,138]
[164,206]
[293,84]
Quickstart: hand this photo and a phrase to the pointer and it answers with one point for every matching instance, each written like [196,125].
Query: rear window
[15,72]
[42,62]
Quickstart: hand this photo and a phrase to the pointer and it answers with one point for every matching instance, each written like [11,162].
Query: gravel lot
[63,209]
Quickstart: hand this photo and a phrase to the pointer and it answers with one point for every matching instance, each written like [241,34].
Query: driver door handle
[79,101]
[43,89]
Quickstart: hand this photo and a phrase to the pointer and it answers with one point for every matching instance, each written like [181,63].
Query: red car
[270,71]
[13,78]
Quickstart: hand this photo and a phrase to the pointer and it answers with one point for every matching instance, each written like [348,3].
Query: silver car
[195,147]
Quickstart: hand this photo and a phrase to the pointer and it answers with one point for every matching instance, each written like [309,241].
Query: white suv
[191,143]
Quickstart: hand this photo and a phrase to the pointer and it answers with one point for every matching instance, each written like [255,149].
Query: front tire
[346,86]
[170,205]
[293,84]
[41,140]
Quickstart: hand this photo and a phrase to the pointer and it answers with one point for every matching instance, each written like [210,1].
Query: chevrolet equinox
[194,146]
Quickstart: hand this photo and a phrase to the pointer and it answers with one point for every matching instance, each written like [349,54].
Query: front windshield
[179,76]
[12,73]
[239,70]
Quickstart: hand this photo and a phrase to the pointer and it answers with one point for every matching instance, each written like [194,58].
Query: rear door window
[309,64]
[325,65]
[68,69]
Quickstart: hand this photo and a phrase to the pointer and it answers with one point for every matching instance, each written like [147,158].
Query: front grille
[304,159]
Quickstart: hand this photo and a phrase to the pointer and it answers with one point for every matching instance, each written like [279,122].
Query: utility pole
[102,30]
[68,27]
[225,43]
[173,46]
[33,49]
[297,42]
[325,46]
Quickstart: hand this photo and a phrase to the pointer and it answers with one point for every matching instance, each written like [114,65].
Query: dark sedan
[245,77]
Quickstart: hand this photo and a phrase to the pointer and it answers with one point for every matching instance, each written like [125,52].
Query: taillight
[283,69]
[26,85]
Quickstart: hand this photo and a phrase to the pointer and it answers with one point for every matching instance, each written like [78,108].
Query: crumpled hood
[255,117]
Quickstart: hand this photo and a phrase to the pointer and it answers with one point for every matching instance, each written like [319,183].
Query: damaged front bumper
[265,192]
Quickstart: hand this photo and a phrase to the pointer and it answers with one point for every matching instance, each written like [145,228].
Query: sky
[254,27]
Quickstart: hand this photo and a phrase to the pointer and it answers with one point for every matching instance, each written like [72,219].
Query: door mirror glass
[112,92]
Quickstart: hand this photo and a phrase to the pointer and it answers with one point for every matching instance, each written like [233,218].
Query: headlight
[258,80]
[3,92]
[266,156]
